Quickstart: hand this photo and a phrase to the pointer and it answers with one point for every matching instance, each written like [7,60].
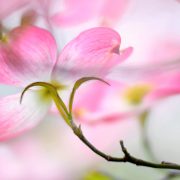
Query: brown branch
[127,158]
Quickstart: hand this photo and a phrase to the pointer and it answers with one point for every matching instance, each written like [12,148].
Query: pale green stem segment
[1,31]
[57,99]
[145,140]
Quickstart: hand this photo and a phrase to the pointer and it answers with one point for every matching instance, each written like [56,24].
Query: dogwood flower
[143,87]
[96,104]
[105,12]
[29,54]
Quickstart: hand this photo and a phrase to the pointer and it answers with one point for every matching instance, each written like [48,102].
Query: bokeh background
[51,151]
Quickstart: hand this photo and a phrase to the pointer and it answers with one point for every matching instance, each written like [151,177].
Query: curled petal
[28,56]
[17,118]
[93,53]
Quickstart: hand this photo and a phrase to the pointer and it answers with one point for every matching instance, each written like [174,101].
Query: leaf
[77,84]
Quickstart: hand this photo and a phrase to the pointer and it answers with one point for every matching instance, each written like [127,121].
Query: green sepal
[77,84]
[55,96]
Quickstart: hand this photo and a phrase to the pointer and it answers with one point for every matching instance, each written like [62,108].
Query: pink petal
[28,56]
[93,53]
[107,118]
[17,118]
[162,93]
[165,86]
[125,53]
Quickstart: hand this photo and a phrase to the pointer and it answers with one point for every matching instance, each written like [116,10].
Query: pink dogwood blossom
[29,54]
[96,104]
[105,12]
[145,85]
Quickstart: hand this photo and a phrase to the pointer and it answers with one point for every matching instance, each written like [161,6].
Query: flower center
[45,94]
[3,38]
[135,94]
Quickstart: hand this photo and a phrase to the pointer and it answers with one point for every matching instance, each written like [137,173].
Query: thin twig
[128,158]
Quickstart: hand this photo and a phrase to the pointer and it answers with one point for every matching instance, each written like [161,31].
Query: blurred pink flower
[72,12]
[29,12]
[145,85]
[29,54]
[96,103]
[161,70]
[78,11]
[9,6]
